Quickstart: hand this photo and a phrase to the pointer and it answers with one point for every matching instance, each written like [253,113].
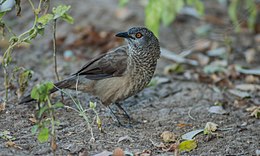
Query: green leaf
[152,15]
[197,4]
[58,105]
[60,11]
[24,77]
[92,105]
[99,123]
[232,12]
[2,15]
[122,3]
[43,135]
[68,18]
[45,19]
[252,14]
[187,145]
[34,129]
[169,10]
[41,91]
[41,31]
[41,111]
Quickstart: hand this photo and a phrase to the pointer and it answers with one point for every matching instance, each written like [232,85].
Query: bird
[119,73]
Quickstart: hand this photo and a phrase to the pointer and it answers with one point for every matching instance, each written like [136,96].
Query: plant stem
[54,50]
[52,125]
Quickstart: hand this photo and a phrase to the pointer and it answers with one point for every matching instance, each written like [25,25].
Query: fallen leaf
[202,45]
[187,145]
[125,138]
[182,125]
[83,152]
[33,119]
[168,136]
[248,71]
[12,144]
[240,103]
[252,79]
[210,127]
[118,152]
[248,87]
[202,59]
[219,52]
[255,111]
[239,93]
[192,134]
[217,110]
[170,148]
[250,55]
[174,68]
[2,106]
[144,153]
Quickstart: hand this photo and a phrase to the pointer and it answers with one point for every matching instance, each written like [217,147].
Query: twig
[190,115]
[54,50]
[177,58]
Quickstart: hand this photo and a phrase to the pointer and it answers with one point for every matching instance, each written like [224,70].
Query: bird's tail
[67,83]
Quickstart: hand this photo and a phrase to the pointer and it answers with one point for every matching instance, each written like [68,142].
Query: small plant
[45,114]
[251,12]
[41,19]
[165,11]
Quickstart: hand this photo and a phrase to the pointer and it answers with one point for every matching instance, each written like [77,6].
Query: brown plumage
[120,73]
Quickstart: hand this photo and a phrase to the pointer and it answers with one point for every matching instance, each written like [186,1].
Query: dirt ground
[177,104]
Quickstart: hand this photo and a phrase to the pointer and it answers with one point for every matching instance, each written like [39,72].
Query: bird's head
[139,38]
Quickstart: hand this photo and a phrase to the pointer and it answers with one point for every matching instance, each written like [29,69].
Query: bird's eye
[138,35]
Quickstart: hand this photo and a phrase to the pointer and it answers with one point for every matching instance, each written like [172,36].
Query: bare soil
[177,105]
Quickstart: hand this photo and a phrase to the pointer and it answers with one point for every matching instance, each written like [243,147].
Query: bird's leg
[121,108]
[115,116]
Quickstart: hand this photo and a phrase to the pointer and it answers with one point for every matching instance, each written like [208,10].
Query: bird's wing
[111,64]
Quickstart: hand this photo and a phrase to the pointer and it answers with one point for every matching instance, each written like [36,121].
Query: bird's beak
[124,35]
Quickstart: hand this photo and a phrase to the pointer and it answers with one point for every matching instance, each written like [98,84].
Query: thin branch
[54,50]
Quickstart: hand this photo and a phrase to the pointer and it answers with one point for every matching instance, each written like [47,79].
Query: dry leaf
[248,87]
[118,152]
[252,79]
[250,55]
[33,119]
[144,153]
[202,45]
[12,144]
[202,59]
[210,127]
[2,106]
[170,148]
[168,136]
[255,111]
[83,152]
[182,125]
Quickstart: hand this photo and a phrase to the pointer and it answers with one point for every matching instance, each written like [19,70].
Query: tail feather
[59,85]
